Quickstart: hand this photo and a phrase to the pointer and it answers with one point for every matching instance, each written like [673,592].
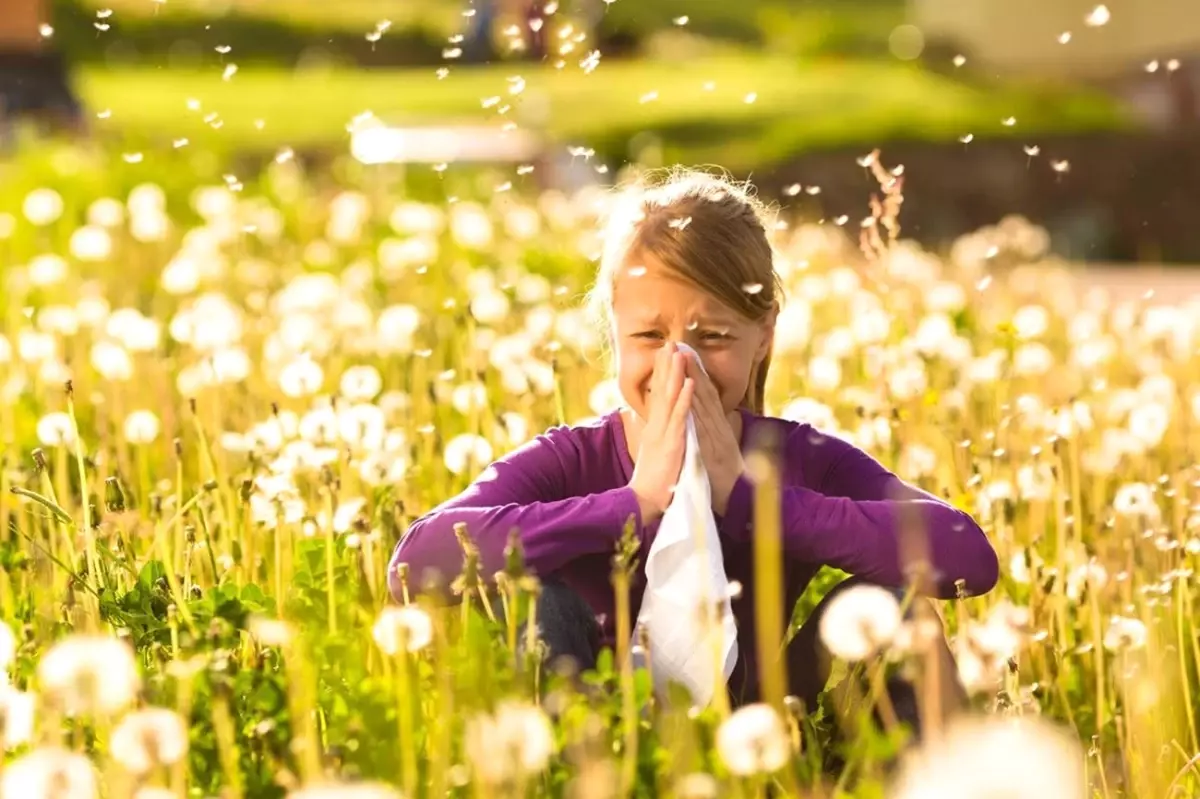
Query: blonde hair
[707,229]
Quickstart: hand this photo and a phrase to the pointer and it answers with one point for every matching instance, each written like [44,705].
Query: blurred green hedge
[183,37]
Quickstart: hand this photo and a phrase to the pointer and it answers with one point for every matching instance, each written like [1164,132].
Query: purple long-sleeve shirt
[567,493]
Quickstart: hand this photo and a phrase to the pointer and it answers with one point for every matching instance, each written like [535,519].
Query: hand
[663,440]
[719,446]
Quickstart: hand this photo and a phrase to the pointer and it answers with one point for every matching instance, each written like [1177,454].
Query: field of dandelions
[223,398]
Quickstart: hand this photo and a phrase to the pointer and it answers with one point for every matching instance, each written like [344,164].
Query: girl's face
[657,306]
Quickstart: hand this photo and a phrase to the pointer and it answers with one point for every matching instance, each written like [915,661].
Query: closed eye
[648,334]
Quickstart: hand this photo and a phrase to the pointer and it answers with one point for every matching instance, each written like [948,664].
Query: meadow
[223,397]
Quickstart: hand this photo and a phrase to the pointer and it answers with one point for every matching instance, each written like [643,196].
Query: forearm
[551,534]
[862,537]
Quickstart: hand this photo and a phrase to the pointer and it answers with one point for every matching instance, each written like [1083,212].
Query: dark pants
[568,628]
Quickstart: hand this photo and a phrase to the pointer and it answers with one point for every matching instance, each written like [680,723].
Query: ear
[767,330]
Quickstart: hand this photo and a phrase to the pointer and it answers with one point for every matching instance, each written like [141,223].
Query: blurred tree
[33,74]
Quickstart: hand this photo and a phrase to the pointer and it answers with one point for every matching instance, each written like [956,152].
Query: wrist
[647,507]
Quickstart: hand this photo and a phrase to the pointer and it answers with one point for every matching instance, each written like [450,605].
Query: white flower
[49,772]
[91,243]
[346,513]
[111,360]
[18,709]
[1091,574]
[989,756]
[1148,422]
[141,427]
[753,740]
[824,373]
[469,396]
[361,383]
[8,646]
[1124,633]
[148,738]
[470,225]
[1031,321]
[515,740]
[466,450]
[301,377]
[43,206]
[859,621]
[1001,636]
[406,623]
[56,430]
[395,327]
[47,270]
[90,672]
[1136,500]
[270,632]
[1035,482]
[106,212]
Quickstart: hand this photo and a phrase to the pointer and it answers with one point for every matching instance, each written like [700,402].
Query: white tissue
[684,569]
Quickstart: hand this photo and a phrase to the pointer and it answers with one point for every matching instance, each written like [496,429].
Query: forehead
[645,291]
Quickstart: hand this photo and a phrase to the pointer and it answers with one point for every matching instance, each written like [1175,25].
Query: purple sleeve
[852,517]
[526,490]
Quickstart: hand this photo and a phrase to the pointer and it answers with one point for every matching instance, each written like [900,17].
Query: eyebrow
[705,320]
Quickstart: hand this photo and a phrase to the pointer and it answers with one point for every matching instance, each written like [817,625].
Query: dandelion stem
[404,699]
[330,598]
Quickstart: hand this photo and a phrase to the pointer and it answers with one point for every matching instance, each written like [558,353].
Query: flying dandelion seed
[178,143]
[1008,122]
[959,60]
[812,190]
[230,71]
[452,53]
[45,31]
[1152,66]
[648,97]
[680,223]
[709,86]
[1061,167]
[589,62]
[1173,65]
[681,21]
[792,190]
[967,139]
[442,73]
[750,98]
[223,49]
[1098,17]
[1064,37]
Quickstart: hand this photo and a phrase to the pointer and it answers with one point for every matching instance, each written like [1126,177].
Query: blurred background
[1080,117]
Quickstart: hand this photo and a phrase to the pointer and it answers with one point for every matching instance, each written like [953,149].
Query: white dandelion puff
[754,740]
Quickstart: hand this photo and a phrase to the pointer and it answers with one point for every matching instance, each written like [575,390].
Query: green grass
[798,105]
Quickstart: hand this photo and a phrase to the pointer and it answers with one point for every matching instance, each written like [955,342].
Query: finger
[677,423]
[675,379]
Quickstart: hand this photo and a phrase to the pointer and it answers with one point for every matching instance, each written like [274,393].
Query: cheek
[634,367]
[730,372]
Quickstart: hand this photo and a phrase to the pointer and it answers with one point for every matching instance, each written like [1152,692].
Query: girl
[689,261]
